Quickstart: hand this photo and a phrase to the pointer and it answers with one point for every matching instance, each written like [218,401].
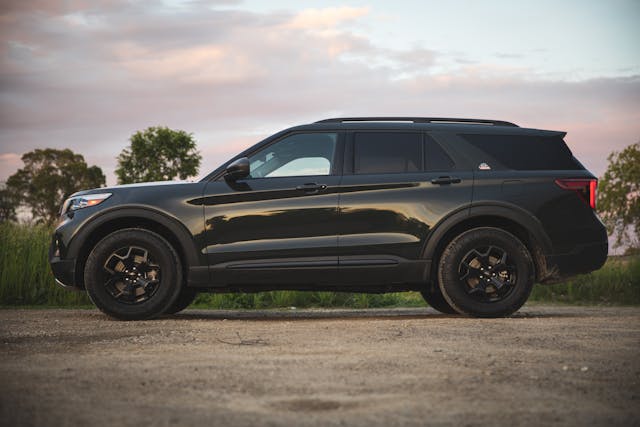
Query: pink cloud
[326,18]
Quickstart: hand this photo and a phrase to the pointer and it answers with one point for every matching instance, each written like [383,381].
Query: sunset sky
[87,74]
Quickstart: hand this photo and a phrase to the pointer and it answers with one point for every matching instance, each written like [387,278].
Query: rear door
[397,185]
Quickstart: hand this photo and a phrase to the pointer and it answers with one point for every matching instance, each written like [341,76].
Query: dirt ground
[548,365]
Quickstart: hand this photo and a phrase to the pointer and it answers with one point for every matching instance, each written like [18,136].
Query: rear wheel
[133,274]
[486,272]
[434,298]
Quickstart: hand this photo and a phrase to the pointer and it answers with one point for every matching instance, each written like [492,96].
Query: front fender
[185,237]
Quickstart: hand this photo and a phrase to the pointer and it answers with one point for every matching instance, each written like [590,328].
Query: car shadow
[354,314]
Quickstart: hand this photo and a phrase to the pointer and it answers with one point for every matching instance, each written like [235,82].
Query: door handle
[441,180]
[311,187]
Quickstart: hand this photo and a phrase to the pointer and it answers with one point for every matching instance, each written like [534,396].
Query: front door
[279,225]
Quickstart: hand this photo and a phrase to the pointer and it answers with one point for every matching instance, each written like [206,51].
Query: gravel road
[547,365]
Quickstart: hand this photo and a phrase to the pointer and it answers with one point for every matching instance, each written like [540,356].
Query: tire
[436,301]
[133,274]
[486,272]
[186,297]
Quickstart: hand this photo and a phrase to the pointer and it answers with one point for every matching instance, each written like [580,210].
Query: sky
[86,75]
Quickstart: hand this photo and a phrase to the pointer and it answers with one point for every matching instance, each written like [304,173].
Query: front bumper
[64,271]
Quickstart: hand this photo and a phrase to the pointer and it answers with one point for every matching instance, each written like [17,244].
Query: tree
[158,154]
[8,204]
[619,196]
[48,177]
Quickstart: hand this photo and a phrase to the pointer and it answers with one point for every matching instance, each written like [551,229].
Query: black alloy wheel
[133,274]
[486,272]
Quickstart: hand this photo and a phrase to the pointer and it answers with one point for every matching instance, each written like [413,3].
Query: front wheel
[486,272]
[133,274]
[186,297]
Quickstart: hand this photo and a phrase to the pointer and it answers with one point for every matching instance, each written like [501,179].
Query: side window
[300,154]
[387,152]
[526,152]
[435,158]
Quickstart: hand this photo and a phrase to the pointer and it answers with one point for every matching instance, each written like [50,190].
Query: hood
[125,186]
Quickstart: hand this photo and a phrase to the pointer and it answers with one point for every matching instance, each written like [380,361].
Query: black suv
[468,212]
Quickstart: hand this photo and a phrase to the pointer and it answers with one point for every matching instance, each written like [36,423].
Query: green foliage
[48,177]
[619,196]
[618,282]
[25,276]
[300,299]
[8,205]
[158,154]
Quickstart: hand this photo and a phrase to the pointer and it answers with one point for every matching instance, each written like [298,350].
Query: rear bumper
[582,259]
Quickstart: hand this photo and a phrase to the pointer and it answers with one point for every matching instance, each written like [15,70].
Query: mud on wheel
[133,274]
[486,272]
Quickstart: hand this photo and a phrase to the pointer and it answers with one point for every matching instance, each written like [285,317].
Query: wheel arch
[510,218]
[99,227]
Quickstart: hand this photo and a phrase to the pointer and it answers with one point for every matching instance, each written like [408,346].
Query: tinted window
[524,152]
[387,152]
[435,158]
[301,154]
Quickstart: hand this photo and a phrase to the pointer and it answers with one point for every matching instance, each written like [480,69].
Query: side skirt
[376,274]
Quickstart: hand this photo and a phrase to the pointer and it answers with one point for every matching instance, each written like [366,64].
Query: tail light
[586,188]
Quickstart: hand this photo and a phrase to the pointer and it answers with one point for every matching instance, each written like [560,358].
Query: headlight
[81,202]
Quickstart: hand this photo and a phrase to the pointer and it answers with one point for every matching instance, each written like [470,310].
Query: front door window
[302,154]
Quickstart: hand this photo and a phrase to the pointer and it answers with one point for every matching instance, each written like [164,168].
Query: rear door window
[387,152]
[435,158]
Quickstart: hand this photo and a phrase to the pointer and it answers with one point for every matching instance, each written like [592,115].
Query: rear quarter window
[525,152]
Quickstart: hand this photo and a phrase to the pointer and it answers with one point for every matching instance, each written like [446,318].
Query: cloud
[327,18]
[232,77]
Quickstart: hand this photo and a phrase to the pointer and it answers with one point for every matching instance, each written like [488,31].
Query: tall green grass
[26,279]
[617,283]
[25,276]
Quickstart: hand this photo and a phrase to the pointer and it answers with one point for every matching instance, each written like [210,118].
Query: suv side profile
[471,213]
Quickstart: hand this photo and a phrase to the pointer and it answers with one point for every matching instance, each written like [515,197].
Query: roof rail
[418,120]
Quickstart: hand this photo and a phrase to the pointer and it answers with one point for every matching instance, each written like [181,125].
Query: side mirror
[237,169]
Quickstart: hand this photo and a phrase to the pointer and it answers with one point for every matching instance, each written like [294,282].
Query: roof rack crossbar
[418,120]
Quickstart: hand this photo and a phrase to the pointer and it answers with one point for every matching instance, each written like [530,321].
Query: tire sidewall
[159,249]
[453,289]
[436,300]
[184,300]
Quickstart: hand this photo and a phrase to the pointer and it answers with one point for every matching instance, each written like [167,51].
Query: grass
[26,280]
[282,299]
[617,283]
[25,276]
